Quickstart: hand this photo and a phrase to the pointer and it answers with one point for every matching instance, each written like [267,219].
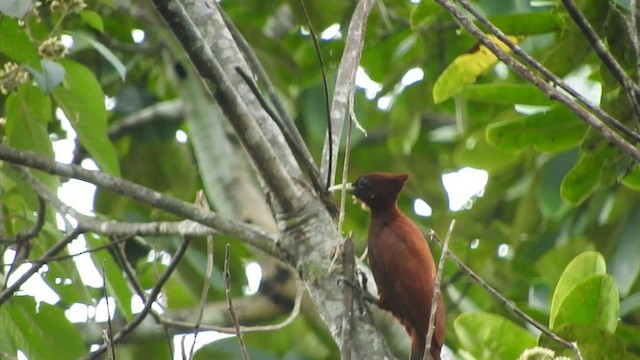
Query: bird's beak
[348,187]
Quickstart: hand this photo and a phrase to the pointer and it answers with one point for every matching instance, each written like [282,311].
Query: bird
[401,261]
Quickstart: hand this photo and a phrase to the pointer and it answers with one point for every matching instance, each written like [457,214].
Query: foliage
[555,229]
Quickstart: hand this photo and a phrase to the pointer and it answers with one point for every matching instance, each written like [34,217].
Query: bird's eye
[363,183]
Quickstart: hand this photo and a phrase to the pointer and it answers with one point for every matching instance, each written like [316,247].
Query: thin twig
[248,329]
[325,86]
[203,297]
[61,245]
[348,272]
[551,91]
[506,302]
[607,58]
[153,295]
[345,170]
[108,332]
[87,251]
[132,278]
[343,189]
[22,240]
[634,6]
[436,291]
[227,285]
[548,74]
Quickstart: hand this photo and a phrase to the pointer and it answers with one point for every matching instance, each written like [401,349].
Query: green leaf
[582,266]
[505,94]
[593,301]
[571,49]
[584,178]
[489,336]
[528,23]
[51,76]
[92,19]
[82,100]
[115,282]
[465,69]
[632,180]
[103,50]
[593,342]
[555,130]
[16,43]
[28,113]
[40,331]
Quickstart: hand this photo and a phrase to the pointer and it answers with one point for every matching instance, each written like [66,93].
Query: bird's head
[378,191]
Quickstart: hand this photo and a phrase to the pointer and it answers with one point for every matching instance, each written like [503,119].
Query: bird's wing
[410,272]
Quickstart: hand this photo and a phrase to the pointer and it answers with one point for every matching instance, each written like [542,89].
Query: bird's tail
[417,347]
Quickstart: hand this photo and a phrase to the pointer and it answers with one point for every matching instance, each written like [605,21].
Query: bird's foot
[360,289]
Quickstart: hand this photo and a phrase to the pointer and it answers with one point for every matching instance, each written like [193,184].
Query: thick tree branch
[551,91]
[259,142]
[181,208]
[309,234]
[287,126]
[345,84]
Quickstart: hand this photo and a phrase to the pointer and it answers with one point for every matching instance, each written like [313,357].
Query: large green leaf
[28,113]
[41,332]
[554,130]
[489,336]
[593,301]
[82,100]
[16,43]
[593,342]
[465,69]
[582,266]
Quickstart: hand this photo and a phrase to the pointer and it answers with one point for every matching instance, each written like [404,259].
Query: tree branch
[548,74]
[35,266]
[345,83]
[549,90]
[608,60]
[155,291]
[245,233]
[274,170]
[503,300]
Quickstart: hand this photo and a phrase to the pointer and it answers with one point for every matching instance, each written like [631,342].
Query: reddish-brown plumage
[401,261]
